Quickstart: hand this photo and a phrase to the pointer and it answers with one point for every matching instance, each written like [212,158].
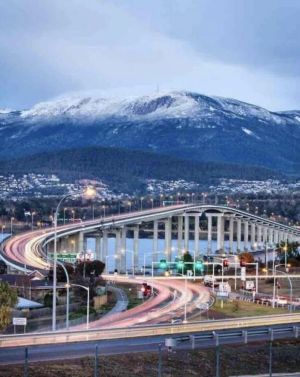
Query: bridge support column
[98,248]
[136,247]
[276,236]
[270,235]
[186,231]
[238,234]
[231,224]
[220,232]
[253,240]
[155,241]
[265,235]
[246,235]
[196,235]
[105,247]
[168,238]
[259,241]
[123,249]
[179,233]
[209,232]
[118,253]
[80,245]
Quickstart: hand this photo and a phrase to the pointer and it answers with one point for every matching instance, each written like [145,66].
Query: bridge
[251,232]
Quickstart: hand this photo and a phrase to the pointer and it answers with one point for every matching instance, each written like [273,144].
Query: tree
[246,257]
[8,299]
[60,273]
[91,268]
[3,267]
[188,260]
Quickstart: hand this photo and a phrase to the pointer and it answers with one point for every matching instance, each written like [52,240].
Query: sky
[244,49]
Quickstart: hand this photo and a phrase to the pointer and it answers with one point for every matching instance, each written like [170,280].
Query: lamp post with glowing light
[32,214]
[11,225]
[89,192]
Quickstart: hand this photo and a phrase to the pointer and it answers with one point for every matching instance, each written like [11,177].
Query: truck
[210,281]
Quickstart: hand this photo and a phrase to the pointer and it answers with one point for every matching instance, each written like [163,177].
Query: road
[170,300]
[205,339]
[111,333]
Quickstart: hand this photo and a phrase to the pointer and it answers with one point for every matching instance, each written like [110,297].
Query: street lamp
[285,253]
[11,225]
[65,215]
[87,303]
[106,258]
[89,192]
[142,198]
[274,285]
[32,214]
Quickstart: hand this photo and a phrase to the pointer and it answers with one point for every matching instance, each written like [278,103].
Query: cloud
[56,46]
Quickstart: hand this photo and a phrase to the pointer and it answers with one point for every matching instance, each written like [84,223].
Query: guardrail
[145,331]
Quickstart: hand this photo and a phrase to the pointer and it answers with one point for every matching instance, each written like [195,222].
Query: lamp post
[11,225]
[285,253]
[87,303]
[65,215]
[106,258]
[32,214]
[142,198]
[274,285]
[68,294]
[89,192]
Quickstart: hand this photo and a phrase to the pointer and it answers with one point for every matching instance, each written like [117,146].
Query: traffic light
[199,266]
[180,265]
[225,263]
[163,264]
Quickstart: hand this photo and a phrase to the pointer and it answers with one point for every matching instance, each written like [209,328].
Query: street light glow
[89,192]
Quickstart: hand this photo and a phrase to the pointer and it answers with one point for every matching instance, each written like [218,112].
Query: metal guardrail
[145,331]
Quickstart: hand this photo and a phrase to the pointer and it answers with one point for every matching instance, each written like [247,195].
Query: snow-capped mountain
[184,124]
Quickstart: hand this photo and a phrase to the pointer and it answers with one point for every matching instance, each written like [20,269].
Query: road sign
[222,294]
[19,321]
[250,285]
[243,273]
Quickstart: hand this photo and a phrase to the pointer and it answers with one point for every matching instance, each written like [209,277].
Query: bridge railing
[145,331]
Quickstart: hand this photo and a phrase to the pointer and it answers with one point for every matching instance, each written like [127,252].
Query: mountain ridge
[183,124]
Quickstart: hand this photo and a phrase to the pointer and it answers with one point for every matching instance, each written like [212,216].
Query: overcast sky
[245,49]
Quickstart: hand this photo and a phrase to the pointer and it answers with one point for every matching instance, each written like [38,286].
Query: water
[146,245]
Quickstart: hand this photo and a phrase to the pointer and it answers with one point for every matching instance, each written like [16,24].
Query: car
[281,301]
[176,321]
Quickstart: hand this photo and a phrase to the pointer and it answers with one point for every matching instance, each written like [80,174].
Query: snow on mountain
[5,111]
[173,105]
[167,105]
[185,124]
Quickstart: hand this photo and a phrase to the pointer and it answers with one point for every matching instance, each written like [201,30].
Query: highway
[145,331]
[25,250]
[202,339]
